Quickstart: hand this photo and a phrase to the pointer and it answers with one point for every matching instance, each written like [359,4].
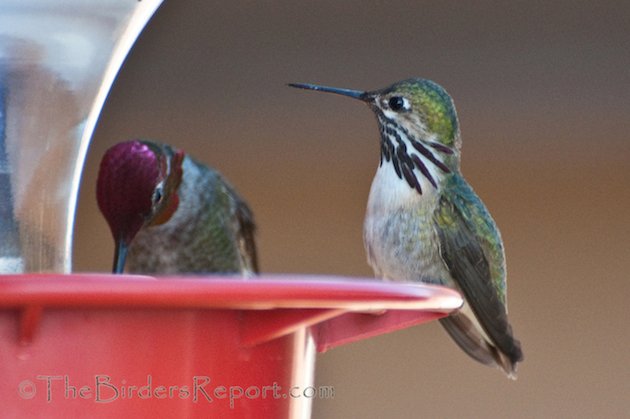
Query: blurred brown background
[543,94]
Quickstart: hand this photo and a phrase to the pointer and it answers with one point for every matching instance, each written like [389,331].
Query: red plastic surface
[173,347]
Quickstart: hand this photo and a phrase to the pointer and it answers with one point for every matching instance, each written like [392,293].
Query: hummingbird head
[419,128]
[137,187]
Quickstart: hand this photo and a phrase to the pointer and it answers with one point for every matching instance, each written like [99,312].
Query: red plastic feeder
[132,346]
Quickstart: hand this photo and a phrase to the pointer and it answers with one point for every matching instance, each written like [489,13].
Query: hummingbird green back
[211,231]
[424,223]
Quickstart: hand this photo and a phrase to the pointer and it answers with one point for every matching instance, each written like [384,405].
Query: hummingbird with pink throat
[170,214]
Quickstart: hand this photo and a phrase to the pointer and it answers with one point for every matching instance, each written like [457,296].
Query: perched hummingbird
[172,214]
[425,223]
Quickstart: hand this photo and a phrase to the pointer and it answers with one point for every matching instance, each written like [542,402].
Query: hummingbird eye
[158,194]
[399,104]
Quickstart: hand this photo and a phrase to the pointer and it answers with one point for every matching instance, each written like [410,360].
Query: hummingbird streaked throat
[424,223]
[170,214]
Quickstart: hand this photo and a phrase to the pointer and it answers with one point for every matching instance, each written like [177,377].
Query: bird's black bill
[120,256]
[355,94]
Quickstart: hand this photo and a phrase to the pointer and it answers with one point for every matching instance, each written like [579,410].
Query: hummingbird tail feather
[470,340]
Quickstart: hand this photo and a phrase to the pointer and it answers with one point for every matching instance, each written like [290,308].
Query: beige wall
[543,94]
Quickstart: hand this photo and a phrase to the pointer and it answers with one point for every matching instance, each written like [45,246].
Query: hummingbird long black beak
[120,256]
[355,94]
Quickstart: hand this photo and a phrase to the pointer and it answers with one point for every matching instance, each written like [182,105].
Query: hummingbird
[170,214]
[424,223]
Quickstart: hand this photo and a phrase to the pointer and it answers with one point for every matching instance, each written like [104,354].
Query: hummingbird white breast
[398,232]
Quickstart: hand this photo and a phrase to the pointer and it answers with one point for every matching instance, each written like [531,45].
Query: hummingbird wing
[241,226]
[246,229]
[226,222]
[471,248]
